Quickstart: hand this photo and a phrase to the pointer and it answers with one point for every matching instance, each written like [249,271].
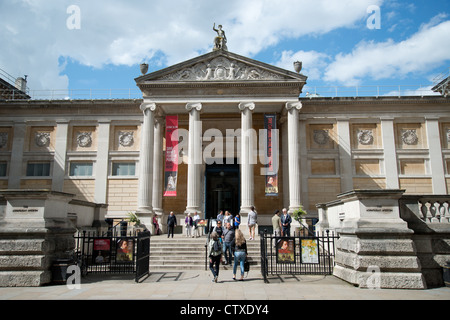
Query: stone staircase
[182,253]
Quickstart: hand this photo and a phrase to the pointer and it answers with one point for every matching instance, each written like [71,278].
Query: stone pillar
[158,167]
[293,162]
[145,208]
[247,175]
[16,163]
[390,154]
[35,232]
[59,164]
[195,158]
[345,155]
[101,168]
[435,152]
[375,247]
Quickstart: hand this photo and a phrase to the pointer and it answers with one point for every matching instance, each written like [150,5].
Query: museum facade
[224,132]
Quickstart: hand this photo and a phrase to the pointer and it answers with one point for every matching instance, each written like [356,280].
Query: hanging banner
[271,188]
[171,171]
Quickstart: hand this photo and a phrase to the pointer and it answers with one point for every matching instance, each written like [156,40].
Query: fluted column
[195,158]
[158,167]
[293,155]
[247,176]
[146,161]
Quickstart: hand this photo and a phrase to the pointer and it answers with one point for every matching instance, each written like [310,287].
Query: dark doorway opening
[222,188]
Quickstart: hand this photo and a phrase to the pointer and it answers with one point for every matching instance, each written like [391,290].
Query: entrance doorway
[222,189]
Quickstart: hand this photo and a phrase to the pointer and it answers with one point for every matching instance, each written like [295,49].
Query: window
[123,169]
[2,169]
[80,169]
[38,169]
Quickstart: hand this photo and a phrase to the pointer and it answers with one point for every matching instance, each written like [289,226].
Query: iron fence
[298,255]
[113,252]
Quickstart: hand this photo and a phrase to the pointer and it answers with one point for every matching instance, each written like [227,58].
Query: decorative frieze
[321,137]
[365,137]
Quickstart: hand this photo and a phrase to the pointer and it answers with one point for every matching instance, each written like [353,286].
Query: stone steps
[182,253]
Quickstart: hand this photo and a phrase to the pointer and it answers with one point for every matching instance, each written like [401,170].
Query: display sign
[171,167]
[271,184]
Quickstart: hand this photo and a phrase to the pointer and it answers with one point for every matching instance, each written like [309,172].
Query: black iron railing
[302,255]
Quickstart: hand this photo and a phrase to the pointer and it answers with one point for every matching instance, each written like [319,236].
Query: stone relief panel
[126,138]
[5,139]
[366,136]
[84,139]
[221,69]
[445,135]
[41,139]
[321,136]
[411,136]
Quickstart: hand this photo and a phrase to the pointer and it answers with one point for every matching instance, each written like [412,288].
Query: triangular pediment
[221,66]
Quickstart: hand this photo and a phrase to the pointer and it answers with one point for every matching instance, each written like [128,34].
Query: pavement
[198,285]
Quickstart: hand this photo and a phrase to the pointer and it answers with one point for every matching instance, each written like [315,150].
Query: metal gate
[99,253]
[301,255]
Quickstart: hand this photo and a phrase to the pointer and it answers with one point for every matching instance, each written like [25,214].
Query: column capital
[193,106]
[248,104]
[148,106]
[293,105]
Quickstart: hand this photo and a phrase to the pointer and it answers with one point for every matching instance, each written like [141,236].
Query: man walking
[228,237]
[171,224]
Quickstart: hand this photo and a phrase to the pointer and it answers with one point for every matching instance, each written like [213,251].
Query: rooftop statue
[220,42]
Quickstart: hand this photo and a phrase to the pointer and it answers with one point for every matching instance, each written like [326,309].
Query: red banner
[171,170]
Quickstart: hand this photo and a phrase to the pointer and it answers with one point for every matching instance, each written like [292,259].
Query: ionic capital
[244,105]
[193,106]
[293,105]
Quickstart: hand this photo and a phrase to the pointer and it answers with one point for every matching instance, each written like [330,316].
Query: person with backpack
[215,254]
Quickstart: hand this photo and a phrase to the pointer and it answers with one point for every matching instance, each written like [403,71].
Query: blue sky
[71,45]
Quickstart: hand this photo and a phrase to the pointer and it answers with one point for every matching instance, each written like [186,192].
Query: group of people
[227,243]
[281,223]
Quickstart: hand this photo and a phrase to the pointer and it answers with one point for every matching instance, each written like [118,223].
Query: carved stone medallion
[365,137]
[3,139]
[126,138]
[321,137]
[84,139]
[42,139]
[410,137]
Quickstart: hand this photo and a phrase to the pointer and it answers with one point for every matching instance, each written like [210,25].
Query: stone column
[101,169]
[59,164]
[293,162]
[158,167]
[16,163]
[145,208]
[390,154]
[195,158]
[435,152]
[247,176]
[345,155]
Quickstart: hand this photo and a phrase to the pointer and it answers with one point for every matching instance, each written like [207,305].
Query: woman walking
[240,253]
[215,254]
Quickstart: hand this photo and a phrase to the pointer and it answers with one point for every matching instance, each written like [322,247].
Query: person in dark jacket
[171,224]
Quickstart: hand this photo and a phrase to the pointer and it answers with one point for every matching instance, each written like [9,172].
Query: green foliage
[299,213]
[132,217]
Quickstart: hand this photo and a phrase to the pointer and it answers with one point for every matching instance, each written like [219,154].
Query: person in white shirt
[252,220]
[196,218]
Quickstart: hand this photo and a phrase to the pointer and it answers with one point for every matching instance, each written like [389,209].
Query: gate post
[373,237]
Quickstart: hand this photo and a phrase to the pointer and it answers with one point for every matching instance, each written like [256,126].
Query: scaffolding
[442,83]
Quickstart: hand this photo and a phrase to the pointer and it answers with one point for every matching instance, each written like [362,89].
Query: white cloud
[428,48]
[34,33]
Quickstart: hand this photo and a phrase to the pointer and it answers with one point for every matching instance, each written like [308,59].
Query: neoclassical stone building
[243,138]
